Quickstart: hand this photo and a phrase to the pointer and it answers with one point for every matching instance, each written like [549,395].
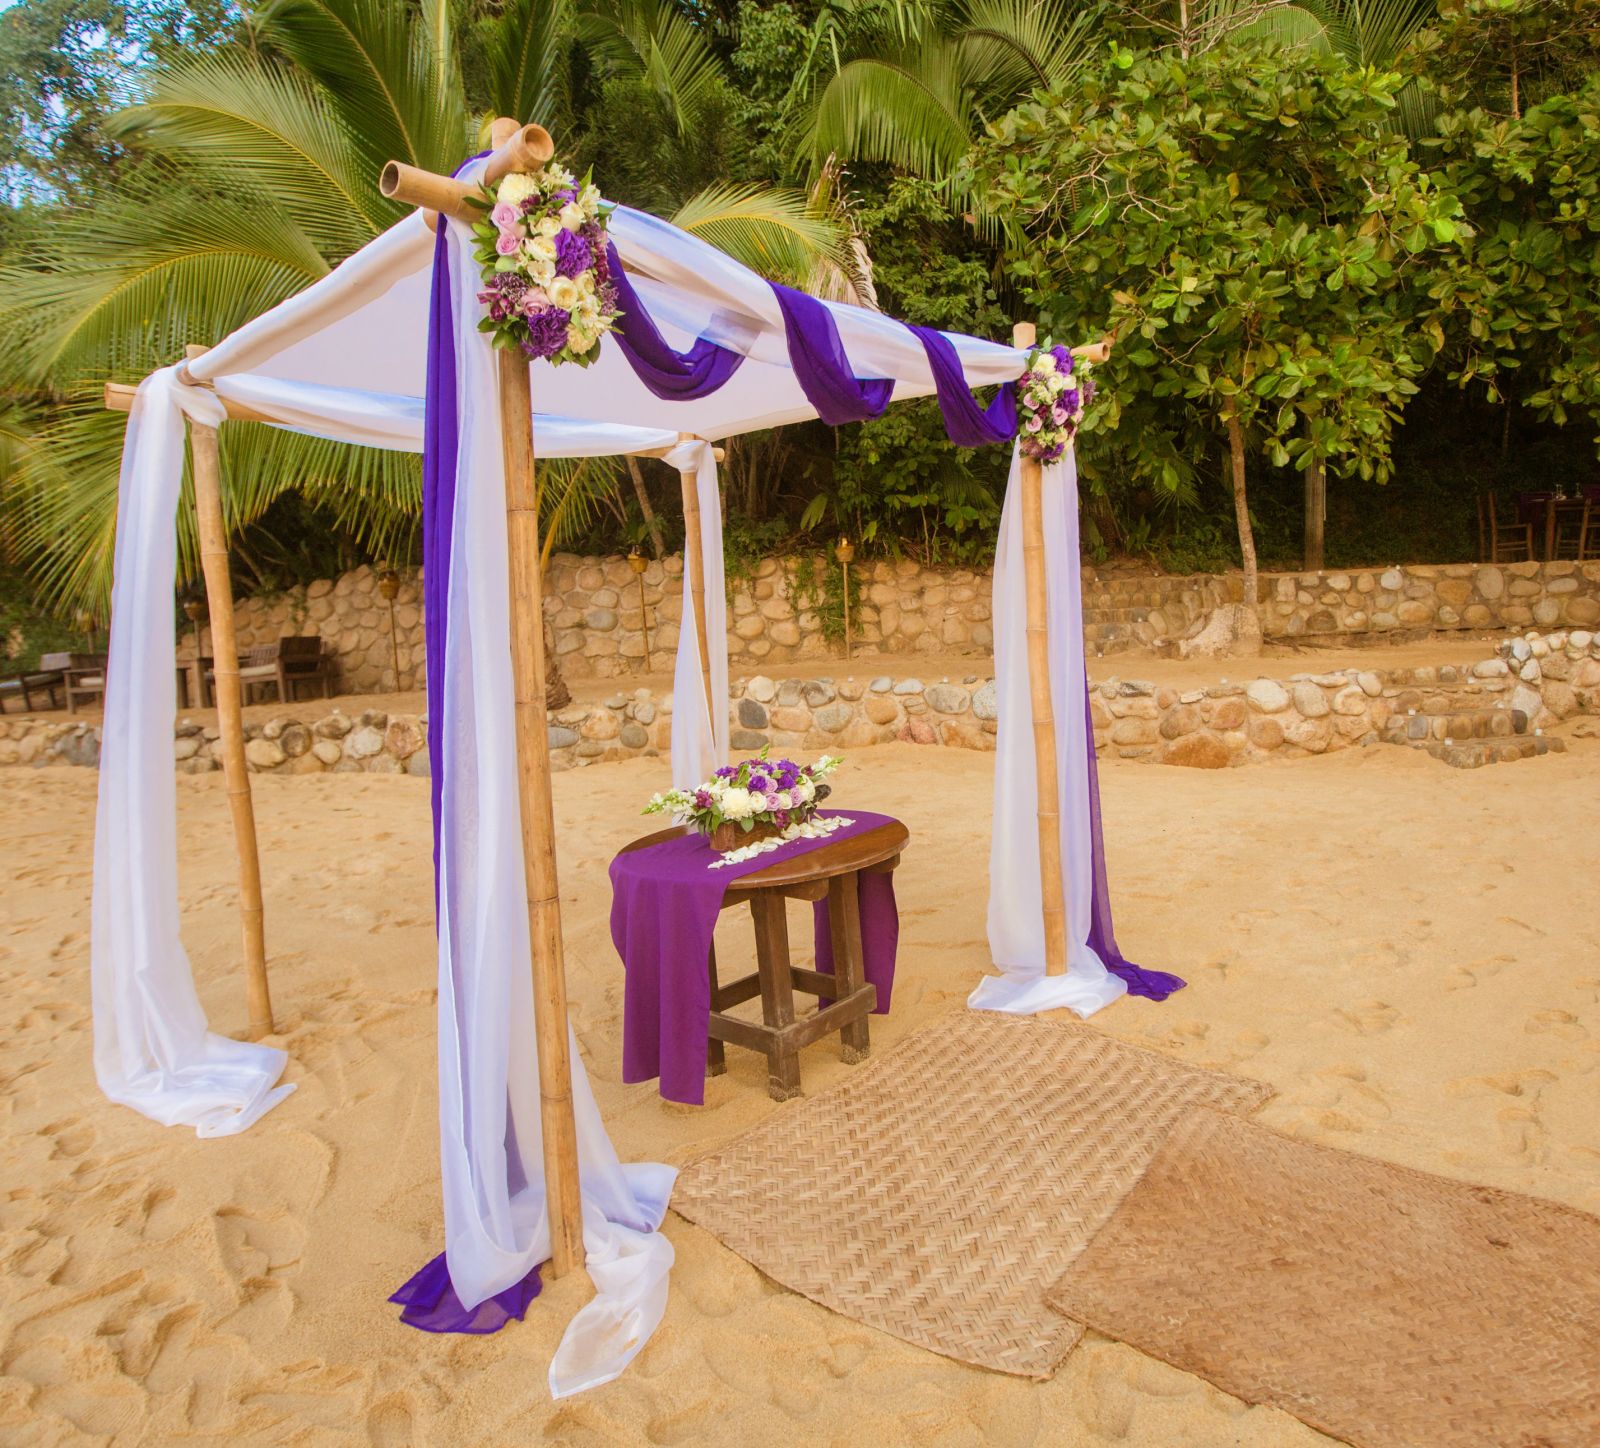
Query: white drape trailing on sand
[1016,925]
[153,1048]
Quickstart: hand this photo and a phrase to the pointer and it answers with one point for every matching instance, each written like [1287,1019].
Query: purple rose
[573,256]
[726,772]
[547,332]
[1069,400]
[1063,359]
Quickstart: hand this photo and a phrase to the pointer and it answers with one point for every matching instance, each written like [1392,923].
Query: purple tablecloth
[664,907]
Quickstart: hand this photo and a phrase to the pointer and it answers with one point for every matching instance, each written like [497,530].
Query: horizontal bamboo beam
[412,186]
[119,398]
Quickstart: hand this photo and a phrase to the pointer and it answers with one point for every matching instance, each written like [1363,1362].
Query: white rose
[540,246]
[572,216]
[563,292]
[548,226]
[1059,383]
[737,804]
[587,284]
[516,188]
[805,791]
[541,269]
[1045,363]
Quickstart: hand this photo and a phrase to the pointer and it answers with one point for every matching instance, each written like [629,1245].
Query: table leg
[1550,529]
[716,1060]
[777,993]
[844,925]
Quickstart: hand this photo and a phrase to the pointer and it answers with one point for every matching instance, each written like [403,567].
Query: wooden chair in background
[1502,540]
[293,660]
[1577,530]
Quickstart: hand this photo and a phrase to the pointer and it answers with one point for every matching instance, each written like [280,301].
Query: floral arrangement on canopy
[1052,396]
[547,281]
[758,799]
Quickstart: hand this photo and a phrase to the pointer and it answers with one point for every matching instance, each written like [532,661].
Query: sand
[1410,954]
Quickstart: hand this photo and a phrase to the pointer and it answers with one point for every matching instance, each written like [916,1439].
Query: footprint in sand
[1368,1018]
[69,1138]
[392,1422]
[253,1246]
[1555,1023]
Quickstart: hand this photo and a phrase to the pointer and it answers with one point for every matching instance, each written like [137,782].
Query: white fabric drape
[153,1049]
[1016,919]
[496,1225]
[699,728]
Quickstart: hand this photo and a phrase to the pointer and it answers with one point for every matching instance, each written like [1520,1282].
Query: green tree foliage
[1248,226]
[1522,307]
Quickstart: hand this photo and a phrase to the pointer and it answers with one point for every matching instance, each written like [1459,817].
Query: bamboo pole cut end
[526,149]
[1024,334]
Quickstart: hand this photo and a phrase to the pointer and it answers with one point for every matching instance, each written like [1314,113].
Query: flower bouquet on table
[546,277]
[750,808]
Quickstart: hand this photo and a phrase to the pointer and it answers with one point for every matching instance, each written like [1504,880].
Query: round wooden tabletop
[835,857]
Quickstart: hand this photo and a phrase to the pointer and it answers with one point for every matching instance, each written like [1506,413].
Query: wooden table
[844,999]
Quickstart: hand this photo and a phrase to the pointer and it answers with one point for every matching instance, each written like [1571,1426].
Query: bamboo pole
[230,720]
[538,822]
[694,560]
[119,398]
[1047,779]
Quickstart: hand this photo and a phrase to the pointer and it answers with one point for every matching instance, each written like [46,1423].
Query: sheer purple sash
[820,365]
[966,424]
[1154,985]
[675,376]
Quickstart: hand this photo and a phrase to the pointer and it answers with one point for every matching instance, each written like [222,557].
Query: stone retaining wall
[593,607]
[1548,678]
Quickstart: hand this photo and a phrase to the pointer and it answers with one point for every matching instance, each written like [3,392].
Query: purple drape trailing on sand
[664,906]
[678,376]
[427,1297]
[1155,985]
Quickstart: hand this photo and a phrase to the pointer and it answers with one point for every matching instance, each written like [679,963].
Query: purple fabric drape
[820,366]
[440,435]
[431,1304]
[664,908]
[965,423]
[880,934]
[428,1298]
[1154,985]
[675,376]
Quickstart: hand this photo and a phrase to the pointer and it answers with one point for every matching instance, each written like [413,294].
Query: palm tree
[257,179]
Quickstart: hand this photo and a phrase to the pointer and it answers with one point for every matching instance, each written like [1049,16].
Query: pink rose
[507,244]
[535,299]
[1034,422]
[504,215]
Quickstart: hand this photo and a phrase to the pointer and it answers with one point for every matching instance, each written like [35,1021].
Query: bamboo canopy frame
[519,147]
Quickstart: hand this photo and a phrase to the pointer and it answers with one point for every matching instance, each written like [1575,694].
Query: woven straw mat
[1385,1306]
[939,1190]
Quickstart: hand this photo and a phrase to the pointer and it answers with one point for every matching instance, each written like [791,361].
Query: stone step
[1477,753]
[1423,730]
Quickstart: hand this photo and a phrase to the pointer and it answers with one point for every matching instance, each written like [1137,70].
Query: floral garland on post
[1052,395]
[547,282]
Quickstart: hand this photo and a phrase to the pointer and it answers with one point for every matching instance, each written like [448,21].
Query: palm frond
[112,291]
[911,110]
[237,114]
[389,70]
[653,41]
[777,233]
[526,46]
[1016,46]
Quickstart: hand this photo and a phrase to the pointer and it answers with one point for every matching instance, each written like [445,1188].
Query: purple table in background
[665,903]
